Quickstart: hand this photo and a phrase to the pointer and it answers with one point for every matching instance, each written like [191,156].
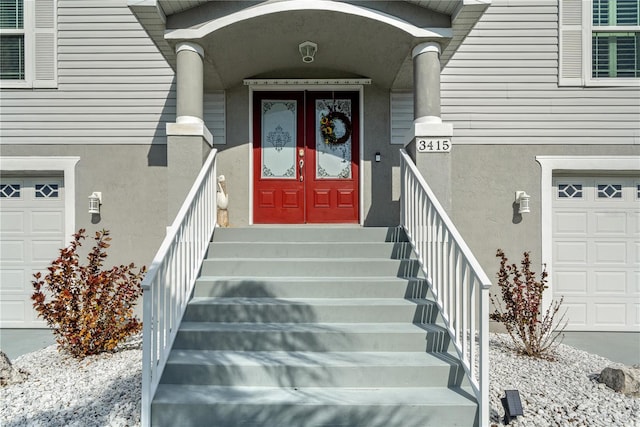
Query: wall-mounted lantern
[95,200]
[308,51]
[522,200]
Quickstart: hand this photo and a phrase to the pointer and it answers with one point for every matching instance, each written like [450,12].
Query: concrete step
[308,369]
[309,250]
[312,337]
[202,405]
[306,233]
[309,267]
[311,287]
[309,310]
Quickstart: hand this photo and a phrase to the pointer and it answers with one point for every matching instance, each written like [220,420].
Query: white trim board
[66,164]
[550,164]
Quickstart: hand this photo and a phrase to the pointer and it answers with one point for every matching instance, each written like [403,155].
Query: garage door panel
[571,252]
[571,223]
[610,282]
[13,280]
[44,251]
[610,223]
[571,282]
[635,220]
[610,253]
[47,222]
[11,222]
[576,313]
[12,311]
[610,314]
[12,251]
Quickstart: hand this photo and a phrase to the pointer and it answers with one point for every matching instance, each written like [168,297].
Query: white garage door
[596,251]
[31,234]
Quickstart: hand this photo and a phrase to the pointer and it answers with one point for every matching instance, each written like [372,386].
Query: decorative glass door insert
[333,138]
[279,138]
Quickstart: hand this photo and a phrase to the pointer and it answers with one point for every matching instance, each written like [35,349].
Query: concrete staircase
[310,327]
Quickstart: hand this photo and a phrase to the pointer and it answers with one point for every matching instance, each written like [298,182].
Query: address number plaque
[433,145]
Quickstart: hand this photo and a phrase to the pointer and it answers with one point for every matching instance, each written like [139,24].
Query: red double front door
[305,157]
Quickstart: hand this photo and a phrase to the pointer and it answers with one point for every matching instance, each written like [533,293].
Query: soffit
[171,7]
[462,16]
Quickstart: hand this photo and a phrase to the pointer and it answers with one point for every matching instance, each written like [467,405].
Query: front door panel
[305,157]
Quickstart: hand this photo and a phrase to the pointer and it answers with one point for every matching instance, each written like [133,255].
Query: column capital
[426,47]
[191,46]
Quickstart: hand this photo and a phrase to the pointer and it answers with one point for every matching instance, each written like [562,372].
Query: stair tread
[309,301]
[327,359]
[335,396]
[370,328]
[237,278]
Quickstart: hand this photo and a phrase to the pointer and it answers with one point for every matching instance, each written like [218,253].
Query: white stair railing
[171,277]
[459,284]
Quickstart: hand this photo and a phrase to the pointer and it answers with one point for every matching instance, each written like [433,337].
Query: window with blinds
[12,35]
[615,39]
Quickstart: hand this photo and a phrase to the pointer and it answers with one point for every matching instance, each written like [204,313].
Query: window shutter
[214,116]
[401,116]
[570,42]
[44,42]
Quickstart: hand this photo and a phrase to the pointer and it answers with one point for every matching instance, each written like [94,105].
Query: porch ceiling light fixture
[95,200]
[308,51]
[522,200]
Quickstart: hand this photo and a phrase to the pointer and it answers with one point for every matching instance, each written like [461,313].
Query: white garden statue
[222,200]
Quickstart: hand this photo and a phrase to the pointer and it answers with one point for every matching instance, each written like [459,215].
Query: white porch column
[426,83]
[190,83]
[430,139]
[188,139]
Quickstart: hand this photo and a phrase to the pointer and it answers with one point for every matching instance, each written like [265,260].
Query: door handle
[301,165]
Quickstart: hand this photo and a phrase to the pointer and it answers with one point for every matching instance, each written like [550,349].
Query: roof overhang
[170,21]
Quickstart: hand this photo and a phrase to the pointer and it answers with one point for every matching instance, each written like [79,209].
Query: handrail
[171,277]
[458,282]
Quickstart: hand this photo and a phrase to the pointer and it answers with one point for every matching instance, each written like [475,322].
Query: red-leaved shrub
[532,333]
[89,309]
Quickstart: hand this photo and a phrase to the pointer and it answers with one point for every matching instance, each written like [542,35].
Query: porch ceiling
[266,46]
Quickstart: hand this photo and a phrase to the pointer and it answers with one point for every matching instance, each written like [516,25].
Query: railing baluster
[171,277]
[459,284]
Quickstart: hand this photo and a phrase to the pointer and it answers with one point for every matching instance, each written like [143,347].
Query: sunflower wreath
[327,128]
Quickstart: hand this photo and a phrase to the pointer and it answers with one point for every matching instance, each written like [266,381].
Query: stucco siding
[114,87]
[501,86]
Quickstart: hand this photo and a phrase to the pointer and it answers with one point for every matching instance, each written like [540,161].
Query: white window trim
[550,164]
[29,31]
[66,165]
[587,49]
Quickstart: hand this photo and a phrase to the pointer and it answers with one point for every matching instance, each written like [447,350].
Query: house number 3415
[433,145]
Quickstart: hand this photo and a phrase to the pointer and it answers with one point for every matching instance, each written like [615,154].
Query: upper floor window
[615,35]
[599,42]
[28,43]
[12,39]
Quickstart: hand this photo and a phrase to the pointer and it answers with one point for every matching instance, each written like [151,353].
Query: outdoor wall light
[522,199]
[95,200]
[308,51]
[512,405]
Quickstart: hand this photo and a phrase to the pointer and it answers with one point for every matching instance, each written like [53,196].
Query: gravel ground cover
[104,390]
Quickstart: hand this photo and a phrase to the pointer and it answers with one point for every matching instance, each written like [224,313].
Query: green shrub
[90,309]
[532,334]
